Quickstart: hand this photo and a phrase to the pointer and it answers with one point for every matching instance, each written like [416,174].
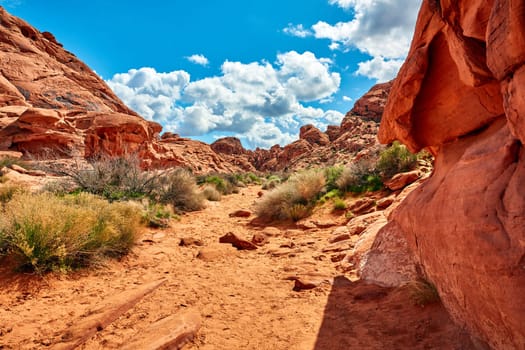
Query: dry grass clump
[179,189]
[293,199]
[45,232]
[422,292]
[359,177]
[211,193]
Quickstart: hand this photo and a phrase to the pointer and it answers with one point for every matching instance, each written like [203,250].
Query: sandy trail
[244,297]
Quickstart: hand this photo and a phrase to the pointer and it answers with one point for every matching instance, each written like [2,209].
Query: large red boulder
[461,94]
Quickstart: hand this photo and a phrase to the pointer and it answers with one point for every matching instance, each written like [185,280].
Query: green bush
[179,189]
[45,232]
[339,204]
[333,194]
[359,177]
[332,174]
[294,199]
[395,159]
[157,215]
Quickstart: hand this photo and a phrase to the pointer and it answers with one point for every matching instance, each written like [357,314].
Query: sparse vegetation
[423,292]
[271,182]
[114,178]
[157,215]
[395,159]
[294,199]
[211,193]
[339,204]
[7,192]
[45,232]
[179,189]
[359,177]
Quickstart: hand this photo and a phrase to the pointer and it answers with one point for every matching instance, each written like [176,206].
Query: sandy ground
[244,297]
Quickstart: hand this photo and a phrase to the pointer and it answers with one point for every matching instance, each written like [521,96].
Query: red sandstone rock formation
[50,102]
[461,93]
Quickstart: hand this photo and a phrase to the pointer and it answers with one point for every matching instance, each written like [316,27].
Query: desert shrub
[395,159]
[422,292]
[7,193]
[179,189]
[332,194]
[359,177]
[271,182]
[339,204]
[114,178]
[211,193]
[45,232]
[294,199]
[225,184]
[332,174]
[157,215]
[299,211]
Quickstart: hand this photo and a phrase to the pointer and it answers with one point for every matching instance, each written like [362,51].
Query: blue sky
[257,70]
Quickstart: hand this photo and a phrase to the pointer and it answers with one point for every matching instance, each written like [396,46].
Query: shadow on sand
[367,316]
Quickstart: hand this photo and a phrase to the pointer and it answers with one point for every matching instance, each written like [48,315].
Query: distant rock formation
[52,104]
[461,94]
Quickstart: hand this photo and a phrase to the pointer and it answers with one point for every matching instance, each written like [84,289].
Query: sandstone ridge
[461,94]
[52,104]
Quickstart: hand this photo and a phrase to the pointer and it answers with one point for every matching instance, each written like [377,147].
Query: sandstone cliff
[461,94]
[53,104]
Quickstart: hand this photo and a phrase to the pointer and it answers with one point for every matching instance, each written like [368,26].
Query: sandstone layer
[461,94]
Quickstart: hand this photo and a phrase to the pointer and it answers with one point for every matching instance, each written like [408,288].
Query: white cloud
[148,92]
[262,103]
[347,99]
[198,59]
[381,29]
[379,68]
[297,30]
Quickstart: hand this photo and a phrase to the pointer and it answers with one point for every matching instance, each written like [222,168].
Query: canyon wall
[461,94]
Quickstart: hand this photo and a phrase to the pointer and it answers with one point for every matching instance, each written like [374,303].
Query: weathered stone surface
[312,135]
[401,180]
[239,243]
[461,93]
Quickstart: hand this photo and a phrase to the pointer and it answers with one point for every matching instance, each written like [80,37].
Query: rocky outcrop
[313,136]
[53,105]
[461,94]
[372,104]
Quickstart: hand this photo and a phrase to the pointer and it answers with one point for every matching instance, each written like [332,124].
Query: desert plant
[179,189]
[7,192]
[299,211]
[339,204]
[294,199]
[333,194]
[422,292]
[45,232]
[114,178]
[157,215]
[395,159]
[211,193]
[271,182]
[225,184]
[359,177]
[332,174]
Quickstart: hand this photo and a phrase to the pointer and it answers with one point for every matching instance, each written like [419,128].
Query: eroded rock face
[461,94]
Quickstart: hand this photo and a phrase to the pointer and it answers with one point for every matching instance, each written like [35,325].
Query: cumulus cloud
[379,68]
[297,30]
[381,29]
[148,92]
[262,103]
[198,59]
